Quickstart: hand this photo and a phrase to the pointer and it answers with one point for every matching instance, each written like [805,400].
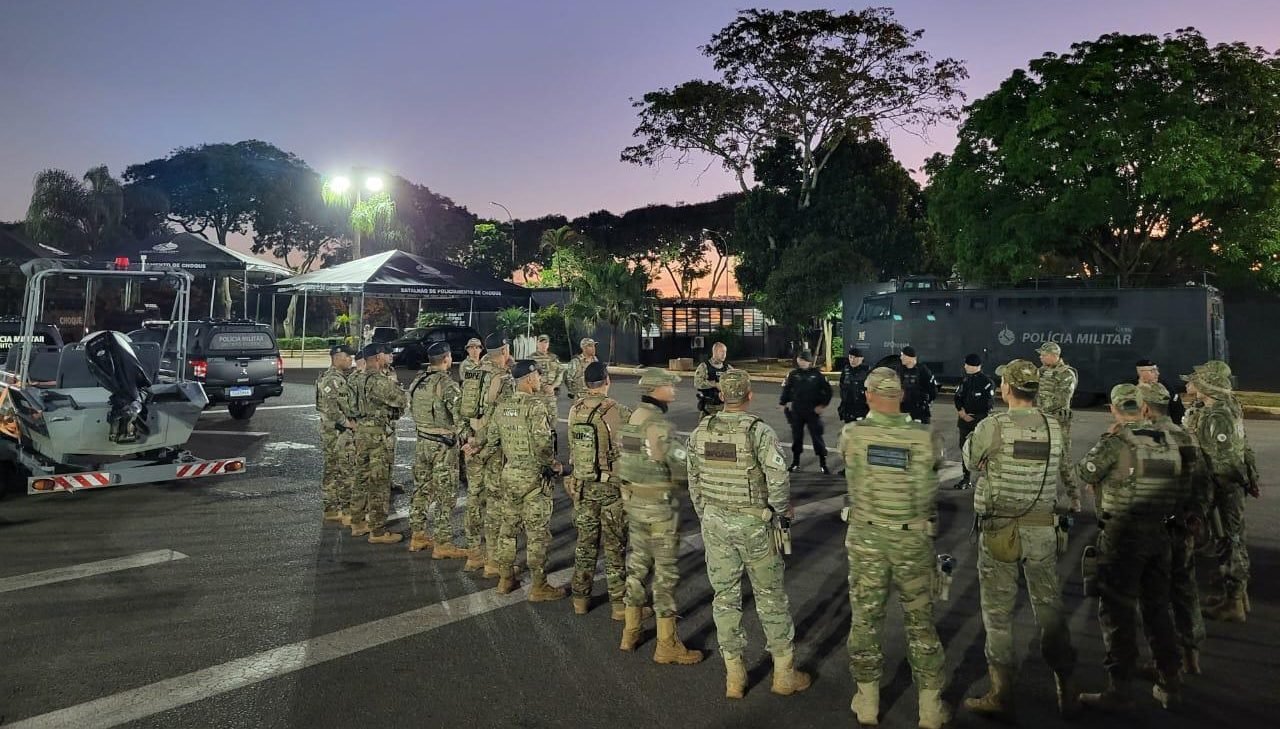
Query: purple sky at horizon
[522,103]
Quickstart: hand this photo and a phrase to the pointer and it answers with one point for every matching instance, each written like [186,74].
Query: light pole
[512,222]
[340,184]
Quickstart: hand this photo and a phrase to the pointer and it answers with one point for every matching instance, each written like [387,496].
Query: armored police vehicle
[1103,329]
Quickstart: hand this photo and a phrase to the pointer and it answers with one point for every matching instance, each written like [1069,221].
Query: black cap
[1145,363]
[438,349]
[855,352]
[909,351]
[805,355]
[524,368]
[495,341]
[375,349]
[973,360]
[595,373]
[341,349]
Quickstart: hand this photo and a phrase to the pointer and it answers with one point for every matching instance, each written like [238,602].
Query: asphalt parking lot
[227,603]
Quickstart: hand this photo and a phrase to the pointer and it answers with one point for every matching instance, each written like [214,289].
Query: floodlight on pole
[340,184]
[373,184]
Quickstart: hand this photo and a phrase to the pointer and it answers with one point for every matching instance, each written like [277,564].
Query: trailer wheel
[242,410]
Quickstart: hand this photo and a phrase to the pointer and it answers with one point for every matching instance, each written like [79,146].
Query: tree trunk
[613,336]
[291,317]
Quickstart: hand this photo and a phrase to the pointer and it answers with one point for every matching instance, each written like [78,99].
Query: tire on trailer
[242,410]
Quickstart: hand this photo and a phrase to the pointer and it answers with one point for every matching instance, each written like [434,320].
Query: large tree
[489,252]
[613,293]
[1130,155]
[76,214]
[814,77]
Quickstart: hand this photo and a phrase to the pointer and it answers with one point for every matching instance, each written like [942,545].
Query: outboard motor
[113,362]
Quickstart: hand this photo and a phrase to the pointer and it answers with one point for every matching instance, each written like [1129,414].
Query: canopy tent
[195,255]
[16,249]
[396,274]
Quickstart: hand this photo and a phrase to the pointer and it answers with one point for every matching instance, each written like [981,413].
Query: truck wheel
[242,410]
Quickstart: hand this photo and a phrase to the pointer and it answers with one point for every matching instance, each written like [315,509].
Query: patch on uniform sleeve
[679,453]
[777,460]
[327,388]
[1222,437]
[1091,467]
[1030,450]
[888,457]
[632,444]
[720,452]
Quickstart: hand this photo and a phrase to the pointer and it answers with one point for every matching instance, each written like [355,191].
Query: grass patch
[1259,399]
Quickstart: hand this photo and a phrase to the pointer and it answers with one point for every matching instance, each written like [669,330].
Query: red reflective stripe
[84,481]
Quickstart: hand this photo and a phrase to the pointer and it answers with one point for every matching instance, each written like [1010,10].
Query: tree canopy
[1130,155]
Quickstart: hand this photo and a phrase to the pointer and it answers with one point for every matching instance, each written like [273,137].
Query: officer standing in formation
[653,472]
[482,388]
[739,485]
[475,350]
[973,400]
[433,405]
[595,425]
[577,368]
[550,367]
[337,433]
[1017,452]
[706,380]
[379,401]
[1058,382]
[1149,373]
[805,394]
[919,388]
[853,389]
[891,467]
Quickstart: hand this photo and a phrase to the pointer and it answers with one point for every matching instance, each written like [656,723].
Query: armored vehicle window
[978,303]
[1025,303]
[1087,302]
[880,307]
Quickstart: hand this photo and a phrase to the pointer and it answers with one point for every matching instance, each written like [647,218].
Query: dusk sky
[524,102]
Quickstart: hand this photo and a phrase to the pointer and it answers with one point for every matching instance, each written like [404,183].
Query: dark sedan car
[410,351]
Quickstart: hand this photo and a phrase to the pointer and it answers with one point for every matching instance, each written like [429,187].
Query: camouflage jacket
[765,456]
[1057,385]
[334,398]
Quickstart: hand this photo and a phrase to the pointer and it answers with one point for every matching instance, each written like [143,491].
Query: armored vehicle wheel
[242,410]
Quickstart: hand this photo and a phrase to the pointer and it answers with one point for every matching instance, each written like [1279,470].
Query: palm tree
[613,293]
[76,215]
[562,241]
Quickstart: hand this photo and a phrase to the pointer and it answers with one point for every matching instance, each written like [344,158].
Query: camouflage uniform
[380,402]
[706,381]
[433,405]
[574,376]
[1137,471]
[335,405]
[484,469]
[552,372]
[1057,385]
[1018,453]
[468,365]
[597,509]
[522,427]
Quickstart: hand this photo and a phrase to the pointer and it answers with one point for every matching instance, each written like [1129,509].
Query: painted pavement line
[250,433]
[262,407]
[88,569]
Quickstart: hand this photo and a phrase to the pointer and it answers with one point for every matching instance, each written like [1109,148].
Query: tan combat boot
[735,676]
[507,582]
[997,703]
[1068,697]
[581,605]
[346,519]
[633,631]
[475,560]
[669,648]
[866,703]
[786,679]
[419,541]
[618,612]
[1230,610]
[1116,697]
[445,550]
[359,529]
[490,569]
[382,536]
[933,713]
[542,591]
[333,515]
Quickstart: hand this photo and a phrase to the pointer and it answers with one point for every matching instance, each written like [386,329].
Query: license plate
[240,392]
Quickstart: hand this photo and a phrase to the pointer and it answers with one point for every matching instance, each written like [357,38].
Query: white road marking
[261,407]
[250,433]
[88,569]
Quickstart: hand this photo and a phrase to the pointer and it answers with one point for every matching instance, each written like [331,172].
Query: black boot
[795,463]
[822,466]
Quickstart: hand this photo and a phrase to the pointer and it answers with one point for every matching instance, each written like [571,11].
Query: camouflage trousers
[481,519]
[1233,556]
[1184,594]
[653,541]
[525,506]
[601,523]
[1133,573]
[435,478]
[1065,464]
[881,558]
[339,468]
[998,584]
[735,542]
[371,492]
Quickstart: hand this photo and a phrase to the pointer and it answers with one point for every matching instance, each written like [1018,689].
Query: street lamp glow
[340,184]
[373,184]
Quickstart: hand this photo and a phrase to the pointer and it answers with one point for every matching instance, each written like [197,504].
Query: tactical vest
[730,476]
[474,383]
[894,482]
[359,393]
[587,430]
[1022,469]
[1149,486]
[426,402]
[637,465]
[512,417]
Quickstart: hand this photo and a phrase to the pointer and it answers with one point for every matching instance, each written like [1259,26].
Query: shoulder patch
[1091,467]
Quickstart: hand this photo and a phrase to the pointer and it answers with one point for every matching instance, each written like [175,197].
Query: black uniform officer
[804,396]
[853,387]
[919,389]
[974,399]
[1149,372]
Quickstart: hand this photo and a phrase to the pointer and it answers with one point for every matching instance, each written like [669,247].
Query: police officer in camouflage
[1016,454]
[891,467]
[577,368]
[652,471]
[337,433]
[1058,382]
[1136,470]
[595,424]
[379,403]
[550,367]
[475,351]
[433,405]
[738,483]
[482,389]
[523,427]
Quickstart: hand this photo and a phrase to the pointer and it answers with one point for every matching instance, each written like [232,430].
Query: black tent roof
[190,253]
[401,275]
[16,249]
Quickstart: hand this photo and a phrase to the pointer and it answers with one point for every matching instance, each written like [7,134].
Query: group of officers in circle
[1161,490]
